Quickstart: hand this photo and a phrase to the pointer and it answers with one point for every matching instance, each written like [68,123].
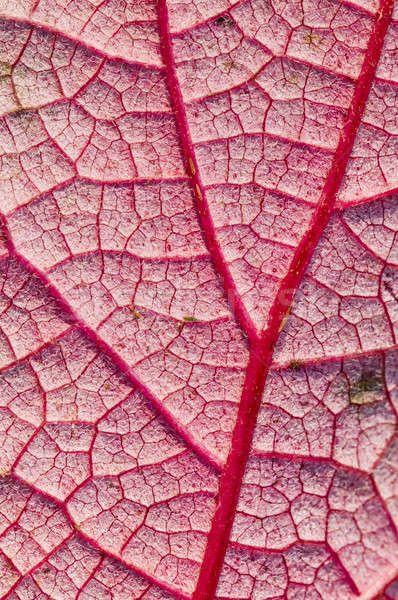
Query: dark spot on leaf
[295,364]
[5,69]
[224,21]
[360,391]
[135,313]
[389,289]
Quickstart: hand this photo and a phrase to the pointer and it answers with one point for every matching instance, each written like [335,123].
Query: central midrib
[262,347]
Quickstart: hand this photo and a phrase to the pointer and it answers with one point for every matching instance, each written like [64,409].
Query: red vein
[91,542]
[262,351]
[47,28]
[122,365]
[43,561]
[206,221]
[320,360]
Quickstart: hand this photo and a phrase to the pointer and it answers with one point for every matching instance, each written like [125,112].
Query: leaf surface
[199,295]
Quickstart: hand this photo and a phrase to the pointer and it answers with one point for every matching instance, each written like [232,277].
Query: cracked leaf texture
[198,300]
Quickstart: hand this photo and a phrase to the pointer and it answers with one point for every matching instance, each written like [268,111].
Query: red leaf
[199,294]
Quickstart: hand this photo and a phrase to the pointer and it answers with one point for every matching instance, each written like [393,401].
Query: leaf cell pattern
[199,300]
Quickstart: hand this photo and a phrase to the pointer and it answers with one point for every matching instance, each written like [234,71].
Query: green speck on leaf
[292,79]
[224,21]
[228,66]
[360,390]
[5,69]
[312,39]
[295,364]
[135,313]
[189,319]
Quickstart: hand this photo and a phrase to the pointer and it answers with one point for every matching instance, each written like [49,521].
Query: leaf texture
[199,292]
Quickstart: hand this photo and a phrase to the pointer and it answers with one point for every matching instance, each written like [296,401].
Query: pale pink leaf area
[198,300]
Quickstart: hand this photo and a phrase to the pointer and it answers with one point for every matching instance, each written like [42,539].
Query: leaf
[198,267]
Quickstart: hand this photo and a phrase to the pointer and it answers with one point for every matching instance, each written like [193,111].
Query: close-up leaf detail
[198,300]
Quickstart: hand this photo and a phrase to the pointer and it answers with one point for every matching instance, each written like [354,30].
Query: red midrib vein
[191,165]
[262,348]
